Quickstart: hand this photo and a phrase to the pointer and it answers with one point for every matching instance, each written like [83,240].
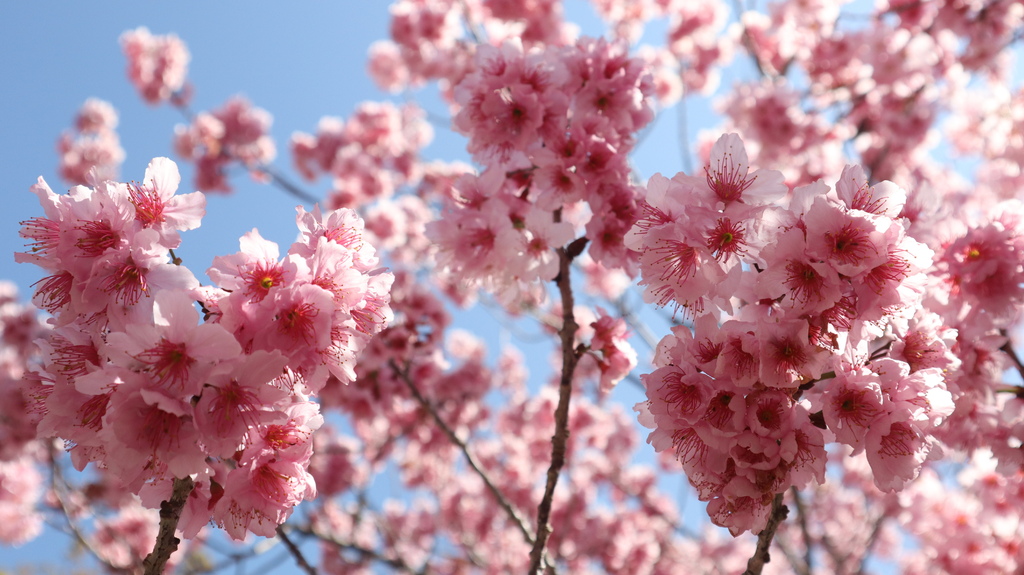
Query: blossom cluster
[93,151]
[368,156]
[552,129]
[795,304]
[157,65]
[134,382]
[237,132]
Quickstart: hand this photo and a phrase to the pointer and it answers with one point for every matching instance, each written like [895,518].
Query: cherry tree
[815,320]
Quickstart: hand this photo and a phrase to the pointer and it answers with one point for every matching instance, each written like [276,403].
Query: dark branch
[367,554]
[560,440]
[764,538]
[170,513]
[286,185]
[801,517]
[295,551]
[470,459]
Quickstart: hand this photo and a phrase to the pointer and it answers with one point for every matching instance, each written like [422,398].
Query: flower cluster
[368,156]
[157,65]
[93,152]
[809,291]
[237,132]
[552,129]
[132,380]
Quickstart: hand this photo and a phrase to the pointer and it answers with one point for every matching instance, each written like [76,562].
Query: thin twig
[470,459]
[60,487]
[295,551]
[471,26]
[639,327]
[267,170]
[370,554]
[801,517]
[1007,348]
[170,513]
[748,40]
[876,530]
[795,562]
[560,440]
[286,185]
[764,538]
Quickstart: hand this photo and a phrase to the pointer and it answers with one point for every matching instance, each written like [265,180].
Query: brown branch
[470,459]
[560,440]
[1007,348]
[60,487]
[876,530]
[170,513]
[394,562]
[764,538]
[300,559]
[795,562]
[285,184]
[801,517]
[748,40]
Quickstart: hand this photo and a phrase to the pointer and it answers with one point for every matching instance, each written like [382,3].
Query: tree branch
[560,440]
[60,488]
[748,40]
[801,517]
[876,530]
[764,538]
[170,513]
[286,184]
[498,495]
[1007,348]
[300,559]
[395,563]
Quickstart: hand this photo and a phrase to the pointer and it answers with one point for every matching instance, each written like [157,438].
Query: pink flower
[787,357]
[853,403]
[806,284]
[237,400]
[850,244]
[895,449]
[295,320]
[20,490]
[175,350]
[260,496]
[728,178]
[158,207]
[150,429]
[618,358]
[883,199]
[254,272]
[237,132]
[157,65]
